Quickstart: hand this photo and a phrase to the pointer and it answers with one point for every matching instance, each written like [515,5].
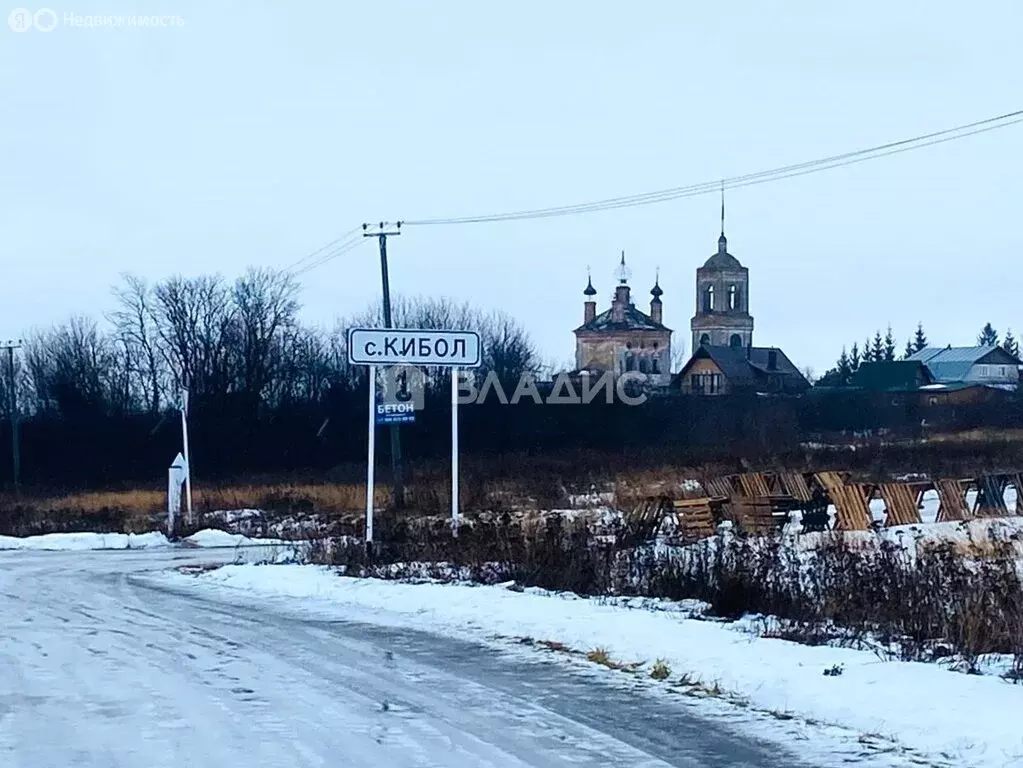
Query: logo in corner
[45,20]
[20,20]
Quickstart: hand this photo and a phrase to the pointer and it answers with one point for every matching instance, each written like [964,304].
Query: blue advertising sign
[396,413]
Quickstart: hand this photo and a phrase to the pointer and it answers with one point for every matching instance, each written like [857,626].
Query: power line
[346,236]
[344,247]
[759,177]
[352,238]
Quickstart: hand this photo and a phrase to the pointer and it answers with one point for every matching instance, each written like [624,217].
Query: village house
[714,370]
[623,339]
[942,375]
[991,366]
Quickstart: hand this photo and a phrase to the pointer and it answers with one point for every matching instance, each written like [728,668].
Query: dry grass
[314,497]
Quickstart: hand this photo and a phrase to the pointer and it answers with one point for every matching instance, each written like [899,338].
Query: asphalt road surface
[99,668]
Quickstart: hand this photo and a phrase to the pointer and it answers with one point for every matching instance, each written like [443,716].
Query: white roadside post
[175,478]
[374,347]
[371,452]
[454,452]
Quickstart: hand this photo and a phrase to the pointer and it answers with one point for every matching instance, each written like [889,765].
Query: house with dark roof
[892,376]
[716,370]
[941,376]
[990,366]
[624,339]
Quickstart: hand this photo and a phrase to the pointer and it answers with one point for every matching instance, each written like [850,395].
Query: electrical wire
[346,236]
[760,177]
[351,239]
[340,250]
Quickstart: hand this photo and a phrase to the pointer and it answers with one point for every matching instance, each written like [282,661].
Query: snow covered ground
[78,542]
[103,662]
[951,718]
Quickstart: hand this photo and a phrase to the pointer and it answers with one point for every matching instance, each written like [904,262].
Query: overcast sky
[254,132]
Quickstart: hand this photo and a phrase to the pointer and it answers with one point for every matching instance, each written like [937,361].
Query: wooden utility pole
[12,411]
[397,471]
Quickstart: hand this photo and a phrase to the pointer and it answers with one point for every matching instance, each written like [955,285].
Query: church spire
[590,291]
[623,273]
[722,241]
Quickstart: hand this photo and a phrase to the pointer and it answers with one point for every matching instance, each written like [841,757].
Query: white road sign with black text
[394,346]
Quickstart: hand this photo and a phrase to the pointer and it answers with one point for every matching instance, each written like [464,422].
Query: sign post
[188,465]
[371,451]
[454,452]
[409,346]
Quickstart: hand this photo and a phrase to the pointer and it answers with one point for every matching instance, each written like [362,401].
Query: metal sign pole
[188,461]
[454,452]
[371,450]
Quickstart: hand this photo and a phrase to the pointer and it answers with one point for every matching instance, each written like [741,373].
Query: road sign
[395,346]
[396,413]
[410,346]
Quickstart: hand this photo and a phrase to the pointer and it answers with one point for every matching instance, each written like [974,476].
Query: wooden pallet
[991,496]
[753,485]
[647,515]
[952,501]
[718,487]
[901,503]
[755,516]
[695,518]
[851,509]
[795,485]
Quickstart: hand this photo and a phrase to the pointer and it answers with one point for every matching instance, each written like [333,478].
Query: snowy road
[98,668]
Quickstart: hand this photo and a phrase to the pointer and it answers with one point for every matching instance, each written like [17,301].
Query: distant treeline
[230,440]
[97,399]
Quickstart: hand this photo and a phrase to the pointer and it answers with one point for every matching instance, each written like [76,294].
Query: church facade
[624,339]
[722,316]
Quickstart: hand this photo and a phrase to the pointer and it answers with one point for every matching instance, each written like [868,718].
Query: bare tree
[135,328]
[73,369]
[195,325]
[265,309]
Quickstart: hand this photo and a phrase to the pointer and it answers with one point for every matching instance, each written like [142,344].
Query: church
[624,339]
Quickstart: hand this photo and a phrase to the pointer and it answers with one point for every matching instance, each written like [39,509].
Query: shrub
[660,670]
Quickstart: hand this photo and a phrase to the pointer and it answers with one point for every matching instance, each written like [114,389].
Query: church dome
[722,259]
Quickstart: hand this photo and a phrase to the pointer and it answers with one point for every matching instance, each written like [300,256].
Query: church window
[735,342]
[644,365]
[630,361]
[733,297]
[708,299]
[655,364]
[705,340]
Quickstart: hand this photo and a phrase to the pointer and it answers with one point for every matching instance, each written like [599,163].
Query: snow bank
[211,537]
[74,542]
[970,719]
[81,542]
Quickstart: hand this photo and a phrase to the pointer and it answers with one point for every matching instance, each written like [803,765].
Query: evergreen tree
[867,354]
[988,336]
[889,345]
[877,350]
[920,340]
[1010,344]
[909,351]
[854,358]
[844,368]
